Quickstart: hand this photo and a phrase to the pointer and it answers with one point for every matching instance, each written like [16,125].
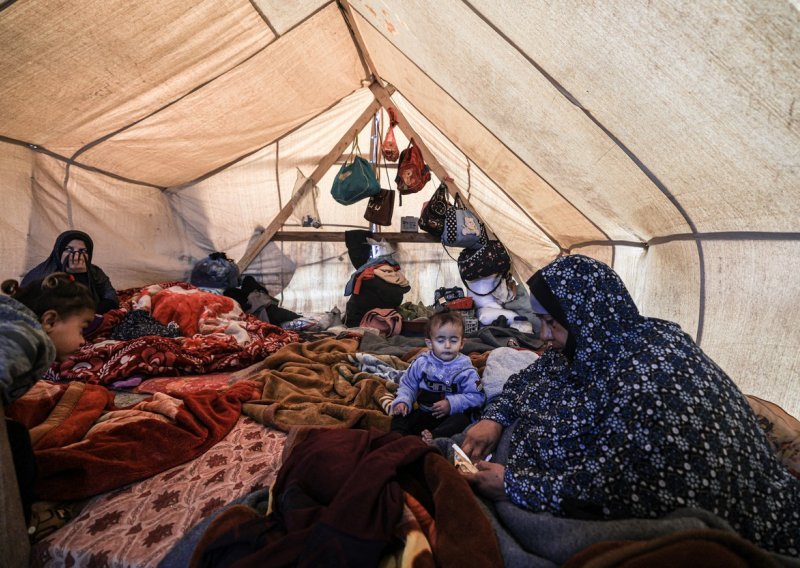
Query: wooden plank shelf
[338,236]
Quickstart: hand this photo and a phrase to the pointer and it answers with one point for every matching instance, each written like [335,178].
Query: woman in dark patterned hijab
[627,417]
[72,253]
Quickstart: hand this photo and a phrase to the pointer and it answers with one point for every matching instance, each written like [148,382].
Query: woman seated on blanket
[72,253]
[625,416]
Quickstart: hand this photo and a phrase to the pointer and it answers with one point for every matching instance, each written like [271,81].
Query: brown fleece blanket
[316,384]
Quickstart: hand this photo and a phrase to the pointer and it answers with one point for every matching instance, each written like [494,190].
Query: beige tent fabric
[703,93]
[136,236]
[77,73]
[513,100]
[224,211]
[677,298]
[278,89]
[16,166]
[512,226]
[661,138]
[285,15]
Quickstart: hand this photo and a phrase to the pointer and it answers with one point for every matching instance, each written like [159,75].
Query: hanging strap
[353,149]
[496,286]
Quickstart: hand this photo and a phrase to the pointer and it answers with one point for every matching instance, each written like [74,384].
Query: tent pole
[373,157]
[252,251]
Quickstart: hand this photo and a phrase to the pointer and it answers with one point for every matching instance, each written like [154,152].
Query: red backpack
[412,173]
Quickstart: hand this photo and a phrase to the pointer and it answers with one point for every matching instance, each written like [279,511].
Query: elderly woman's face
[552,333]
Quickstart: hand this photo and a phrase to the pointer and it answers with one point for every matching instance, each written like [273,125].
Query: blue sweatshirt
[457,379]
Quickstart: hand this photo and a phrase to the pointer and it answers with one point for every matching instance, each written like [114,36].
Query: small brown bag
[380,208]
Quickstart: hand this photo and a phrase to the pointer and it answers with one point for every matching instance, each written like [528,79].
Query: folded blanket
[388,367]
[500,365]
[220,338]
[490,337]
[398,345]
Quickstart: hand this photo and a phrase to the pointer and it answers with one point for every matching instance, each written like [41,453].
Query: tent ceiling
[79,72]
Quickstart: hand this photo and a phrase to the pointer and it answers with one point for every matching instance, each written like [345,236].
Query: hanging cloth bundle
[389,147]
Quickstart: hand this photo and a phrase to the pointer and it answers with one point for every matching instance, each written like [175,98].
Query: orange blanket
[85,446]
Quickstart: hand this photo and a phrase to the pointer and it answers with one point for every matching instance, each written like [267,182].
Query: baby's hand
[441,408]
[401,409]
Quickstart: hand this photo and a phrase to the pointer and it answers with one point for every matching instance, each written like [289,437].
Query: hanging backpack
[412,172]
[431,218]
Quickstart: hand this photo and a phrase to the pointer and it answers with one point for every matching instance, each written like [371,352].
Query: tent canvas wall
[661,138]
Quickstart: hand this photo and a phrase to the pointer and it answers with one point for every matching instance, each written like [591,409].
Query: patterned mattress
[137,525]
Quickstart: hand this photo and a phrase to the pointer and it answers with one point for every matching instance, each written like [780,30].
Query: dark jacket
[105,297]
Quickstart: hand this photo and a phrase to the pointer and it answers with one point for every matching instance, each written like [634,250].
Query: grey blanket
[491,337]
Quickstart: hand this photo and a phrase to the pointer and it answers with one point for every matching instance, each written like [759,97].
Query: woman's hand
[489,480]
[77,262]
[482,439]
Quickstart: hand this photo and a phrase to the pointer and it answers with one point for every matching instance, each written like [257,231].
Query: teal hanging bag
[356,179]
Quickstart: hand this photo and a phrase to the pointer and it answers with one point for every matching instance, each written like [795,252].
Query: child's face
[446,341]
[66,333]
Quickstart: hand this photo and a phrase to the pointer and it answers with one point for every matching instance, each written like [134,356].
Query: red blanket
[85,446]
[220,338]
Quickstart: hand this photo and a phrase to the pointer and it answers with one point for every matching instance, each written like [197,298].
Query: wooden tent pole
[252,252]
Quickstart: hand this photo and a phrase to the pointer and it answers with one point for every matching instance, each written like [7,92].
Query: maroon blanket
[338,499]
[222,338]
[85,446]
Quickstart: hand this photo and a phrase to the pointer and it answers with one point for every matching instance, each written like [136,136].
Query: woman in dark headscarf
[72,253]
[625,416]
